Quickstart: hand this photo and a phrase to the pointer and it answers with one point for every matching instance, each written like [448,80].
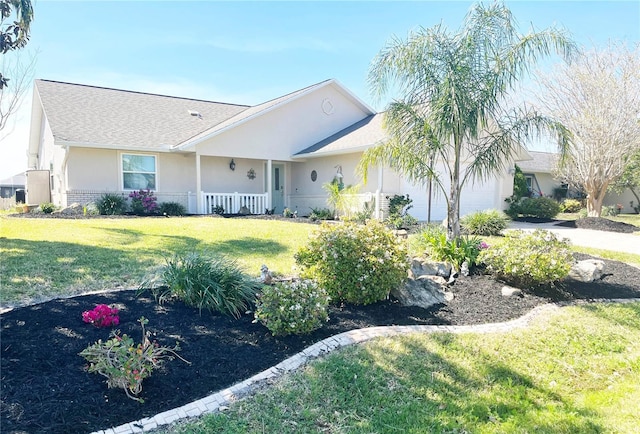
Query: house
[539,173]
[9,186]
[205,154]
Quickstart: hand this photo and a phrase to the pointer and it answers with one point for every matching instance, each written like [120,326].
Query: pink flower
[101,316]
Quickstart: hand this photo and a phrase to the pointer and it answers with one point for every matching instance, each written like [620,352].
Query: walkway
[627,243]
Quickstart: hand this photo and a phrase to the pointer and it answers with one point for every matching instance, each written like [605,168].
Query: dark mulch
[603,224]
[45,387]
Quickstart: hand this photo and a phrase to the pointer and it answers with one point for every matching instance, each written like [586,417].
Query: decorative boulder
[73,209]
[422,267]
[587,270]
[424,292]
[509,291]
[244,211]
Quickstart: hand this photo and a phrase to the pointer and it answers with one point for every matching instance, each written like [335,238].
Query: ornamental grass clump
[296,307]
[528,260]
[455,252]
[484,223]
[358,264]
[126,364]
[214,284]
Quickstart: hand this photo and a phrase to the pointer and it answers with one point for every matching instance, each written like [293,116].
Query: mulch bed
[46,388]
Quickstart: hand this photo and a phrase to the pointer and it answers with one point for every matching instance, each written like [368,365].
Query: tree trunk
[594,204]
[637,198]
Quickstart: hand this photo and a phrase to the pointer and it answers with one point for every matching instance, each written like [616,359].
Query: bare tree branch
[597,99]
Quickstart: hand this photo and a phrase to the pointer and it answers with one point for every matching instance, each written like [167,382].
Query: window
[138,172]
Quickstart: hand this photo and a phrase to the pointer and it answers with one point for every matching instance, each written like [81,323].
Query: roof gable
[103,117]
[266,107]
[361,135]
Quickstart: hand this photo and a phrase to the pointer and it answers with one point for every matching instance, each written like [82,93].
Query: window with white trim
[138,172]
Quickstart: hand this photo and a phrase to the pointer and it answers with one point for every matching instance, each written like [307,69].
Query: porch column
[378,211]
[199,204]
[269,184]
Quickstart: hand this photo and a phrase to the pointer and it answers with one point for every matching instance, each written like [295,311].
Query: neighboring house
[539,175]
[9,186]
[205,154]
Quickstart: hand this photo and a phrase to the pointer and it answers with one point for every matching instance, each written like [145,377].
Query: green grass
[43,258]
[575,372]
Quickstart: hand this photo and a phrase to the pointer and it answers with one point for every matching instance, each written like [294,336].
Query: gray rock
[587,270]
[424,292]
[509,291]
[73,209]
[423,267]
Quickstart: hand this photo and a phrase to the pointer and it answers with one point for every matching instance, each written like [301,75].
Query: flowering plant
[126,364]
[101,316]
[528,259]
[292,308]
[358,264]
[143,202]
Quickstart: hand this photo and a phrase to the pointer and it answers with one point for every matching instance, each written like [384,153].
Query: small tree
[597,98]
[453,112]
[14,34]
[630,179]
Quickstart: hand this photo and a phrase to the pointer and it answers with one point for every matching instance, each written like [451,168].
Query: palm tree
[453,105]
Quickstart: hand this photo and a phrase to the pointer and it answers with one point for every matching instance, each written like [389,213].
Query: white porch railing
[231,203]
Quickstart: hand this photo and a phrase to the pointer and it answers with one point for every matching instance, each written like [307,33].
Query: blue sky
[250,52]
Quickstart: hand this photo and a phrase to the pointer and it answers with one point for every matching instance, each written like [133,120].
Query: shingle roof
[358,136]
[542,162]
[126,119]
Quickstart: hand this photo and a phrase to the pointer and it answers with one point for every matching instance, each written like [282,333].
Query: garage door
[474,197]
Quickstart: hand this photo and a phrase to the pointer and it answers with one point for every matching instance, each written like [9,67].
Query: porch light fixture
[232,165]
[339,171]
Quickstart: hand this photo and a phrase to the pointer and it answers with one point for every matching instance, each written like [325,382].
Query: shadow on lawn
[38,270]
[443,395]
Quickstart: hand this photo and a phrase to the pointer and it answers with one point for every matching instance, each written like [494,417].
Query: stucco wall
[306,193]
[93,169]
[288,129]
[217,177]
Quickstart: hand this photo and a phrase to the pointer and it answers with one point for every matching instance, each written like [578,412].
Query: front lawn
[576,372]
[45,257]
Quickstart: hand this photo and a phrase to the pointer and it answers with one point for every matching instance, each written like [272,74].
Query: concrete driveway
[628,243]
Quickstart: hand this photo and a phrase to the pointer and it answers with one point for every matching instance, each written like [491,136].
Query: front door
[277,188]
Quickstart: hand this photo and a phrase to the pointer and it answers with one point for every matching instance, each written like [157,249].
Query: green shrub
[540,207]
[47,207]
[398,218]
[583,213]
[357,264]
[609,211]
[172,208]
[485,223]
[111,204]
[528,259]
[215,284]
[455,252]
[90,209]
[297,307]
[520,187]
[570,206]
[321,214]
